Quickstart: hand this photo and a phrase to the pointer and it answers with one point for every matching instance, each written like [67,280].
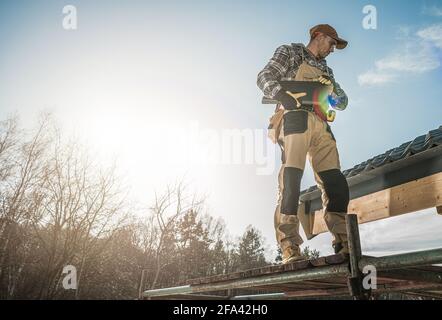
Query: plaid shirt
[285,63]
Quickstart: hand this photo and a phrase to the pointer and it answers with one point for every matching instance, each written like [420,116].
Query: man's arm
[339,92]
[275,69]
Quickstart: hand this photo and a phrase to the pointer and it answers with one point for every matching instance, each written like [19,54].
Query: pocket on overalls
[275,125]
[295,122]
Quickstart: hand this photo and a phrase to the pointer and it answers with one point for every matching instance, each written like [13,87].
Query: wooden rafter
[408,197]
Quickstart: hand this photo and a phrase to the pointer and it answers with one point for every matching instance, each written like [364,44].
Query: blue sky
[136,69]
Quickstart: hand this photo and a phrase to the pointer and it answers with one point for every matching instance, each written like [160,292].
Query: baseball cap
[331,32]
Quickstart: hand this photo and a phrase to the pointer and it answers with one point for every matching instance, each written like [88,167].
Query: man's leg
[295,136]
[324,158]
[335,189]
[286,220]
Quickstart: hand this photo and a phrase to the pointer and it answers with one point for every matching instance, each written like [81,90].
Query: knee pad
[291,188]
[336,188]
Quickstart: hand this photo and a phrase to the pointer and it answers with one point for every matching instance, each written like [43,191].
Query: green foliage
[250,251]
[306,252]
[309,253]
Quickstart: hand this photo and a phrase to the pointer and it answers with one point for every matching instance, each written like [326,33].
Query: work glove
[326,80]
[286,100]
[333,100]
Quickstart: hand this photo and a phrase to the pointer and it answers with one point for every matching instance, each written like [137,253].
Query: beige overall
[317,142]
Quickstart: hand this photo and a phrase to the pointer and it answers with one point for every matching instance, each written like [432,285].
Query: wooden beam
[336,292]
[354,246]
[406,286]
[408,197]
[426,294]
[411,275]
[317,293]
[193,297]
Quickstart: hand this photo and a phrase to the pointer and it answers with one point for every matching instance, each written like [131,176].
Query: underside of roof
[412,160]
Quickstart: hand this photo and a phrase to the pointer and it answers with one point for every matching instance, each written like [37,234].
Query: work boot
[287,235]
[335,222]
[291,254]
[340,245]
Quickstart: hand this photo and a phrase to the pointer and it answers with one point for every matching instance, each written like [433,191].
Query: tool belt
[275,122]
[305,72]
[307,108]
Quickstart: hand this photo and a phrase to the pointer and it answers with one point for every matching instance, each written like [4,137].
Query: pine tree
[193,246]
[310,253]
[250,251]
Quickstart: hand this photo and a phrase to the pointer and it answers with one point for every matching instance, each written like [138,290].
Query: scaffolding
[402,180]
[332,276]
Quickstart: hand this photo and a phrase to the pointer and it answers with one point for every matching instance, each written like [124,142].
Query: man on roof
[304,131]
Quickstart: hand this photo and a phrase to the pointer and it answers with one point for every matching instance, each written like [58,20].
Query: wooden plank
[321,261]
[298,265]
[430,268]
[192,297]
[393,287]
[302,285]
[296,290]
[327,260]
[397,287]
[409,197]
[407,286]
[334,287]
[272,269]
[317,293]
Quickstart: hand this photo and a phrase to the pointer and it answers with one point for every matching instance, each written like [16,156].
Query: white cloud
[374,78]
[432,34]
[410,232]
[432,11]
[415,231]
[415,57]
[419,53]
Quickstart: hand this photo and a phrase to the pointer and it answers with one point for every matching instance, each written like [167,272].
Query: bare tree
[21,161]
[59,206]
[219,256]
[147,235]
[81,204]
[175,202]
[8,142]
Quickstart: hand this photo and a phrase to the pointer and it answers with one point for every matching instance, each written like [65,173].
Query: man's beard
[322,56]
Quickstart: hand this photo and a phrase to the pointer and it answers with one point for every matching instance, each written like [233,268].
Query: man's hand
[326,80]
[286,100]
[333,100]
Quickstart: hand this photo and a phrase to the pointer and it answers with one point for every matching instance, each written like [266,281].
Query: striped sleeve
[275,69]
